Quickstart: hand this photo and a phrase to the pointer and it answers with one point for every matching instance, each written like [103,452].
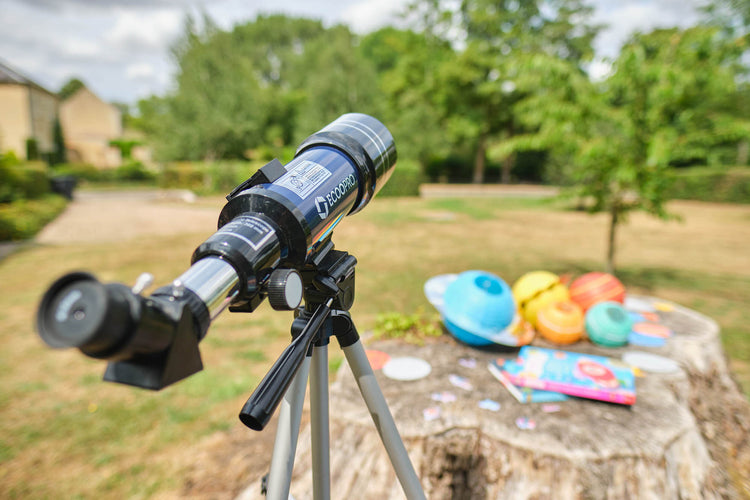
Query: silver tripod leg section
[319,425]
[381,415]
[285,445]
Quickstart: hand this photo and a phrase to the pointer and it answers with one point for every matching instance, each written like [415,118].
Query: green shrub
[22,219]
[19,181]
[405,180]
[728,185]
[207,178]
[134,171]
[183,175]
[411,328]
[84,172]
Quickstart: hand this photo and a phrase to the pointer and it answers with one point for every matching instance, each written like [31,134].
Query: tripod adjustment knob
[284,289]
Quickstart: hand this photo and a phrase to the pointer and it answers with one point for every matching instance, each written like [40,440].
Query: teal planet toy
[608,324]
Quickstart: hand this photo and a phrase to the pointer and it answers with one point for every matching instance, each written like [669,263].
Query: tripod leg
[381,415]
[285,445]
[319,424]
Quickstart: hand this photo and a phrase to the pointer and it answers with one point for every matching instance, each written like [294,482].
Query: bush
[207,178]
[84,172]
[134,171]
[20,181]
[22,219]
[405,181]
[728,185]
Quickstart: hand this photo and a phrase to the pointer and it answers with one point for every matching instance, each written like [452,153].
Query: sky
[120,48]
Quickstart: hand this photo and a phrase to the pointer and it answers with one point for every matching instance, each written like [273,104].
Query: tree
[478,92]
[670,100]
[404,61]
[270,81]
[71,87]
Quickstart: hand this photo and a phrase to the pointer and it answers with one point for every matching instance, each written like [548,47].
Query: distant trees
[270,81]
[671,100]
[477,89]
[489,80]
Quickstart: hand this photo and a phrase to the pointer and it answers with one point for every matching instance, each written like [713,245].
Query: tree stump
[685,437]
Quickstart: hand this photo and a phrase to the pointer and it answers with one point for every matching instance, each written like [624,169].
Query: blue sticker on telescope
[304,178]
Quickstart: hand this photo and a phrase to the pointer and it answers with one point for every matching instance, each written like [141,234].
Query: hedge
[22,219]
[405,180]
[726,185]
[19,181]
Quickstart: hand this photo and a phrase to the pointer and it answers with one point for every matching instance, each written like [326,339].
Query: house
[28,112]
[89,124]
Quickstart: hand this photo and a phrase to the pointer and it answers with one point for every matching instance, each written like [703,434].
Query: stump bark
[685,437]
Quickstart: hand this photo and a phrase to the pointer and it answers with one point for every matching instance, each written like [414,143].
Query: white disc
[650,362]
[406,368]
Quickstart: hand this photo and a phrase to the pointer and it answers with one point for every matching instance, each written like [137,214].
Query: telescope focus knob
[284,289]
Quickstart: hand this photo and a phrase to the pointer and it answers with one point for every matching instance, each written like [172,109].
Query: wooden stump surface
[685,437]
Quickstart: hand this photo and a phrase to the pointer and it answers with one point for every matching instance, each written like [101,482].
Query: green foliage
[22,219]
[271,81]
[69,88]
[669,100]
[411,328]
[83,172]
[404,181]
[134,171]
[125,146]
[59,154]
[711,184]
[19,181]
[476,91]
[206,177]
[32,149]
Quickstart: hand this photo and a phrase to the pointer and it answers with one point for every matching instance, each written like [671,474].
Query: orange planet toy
[561,322]
[592,288]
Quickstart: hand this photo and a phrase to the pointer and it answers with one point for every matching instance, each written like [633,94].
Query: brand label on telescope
[304,178]
[252,230]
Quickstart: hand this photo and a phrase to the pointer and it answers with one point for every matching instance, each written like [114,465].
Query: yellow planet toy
[536,289]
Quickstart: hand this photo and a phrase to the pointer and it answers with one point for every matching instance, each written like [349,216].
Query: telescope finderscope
[271,227]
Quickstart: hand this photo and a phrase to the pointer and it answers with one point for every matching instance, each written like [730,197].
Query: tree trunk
[611,240]
[743,152]
[506,168]
[480,160]
[685,437]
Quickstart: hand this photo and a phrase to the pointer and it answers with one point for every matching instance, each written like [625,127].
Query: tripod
[328,294]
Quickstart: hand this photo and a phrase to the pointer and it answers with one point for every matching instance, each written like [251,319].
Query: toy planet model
[561,322]
[537,289]
[592,288]
[608,324]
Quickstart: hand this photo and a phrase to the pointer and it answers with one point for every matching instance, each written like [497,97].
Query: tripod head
[275,225]
[328,291]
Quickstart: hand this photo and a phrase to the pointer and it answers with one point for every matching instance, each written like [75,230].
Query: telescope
[275,227]
[274,241]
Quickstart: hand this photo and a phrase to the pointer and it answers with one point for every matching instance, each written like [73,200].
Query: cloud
[140,71]
[105,5]
[369,15]
[623,19]
[134,31]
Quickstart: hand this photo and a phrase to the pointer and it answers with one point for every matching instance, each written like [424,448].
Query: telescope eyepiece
[79,311]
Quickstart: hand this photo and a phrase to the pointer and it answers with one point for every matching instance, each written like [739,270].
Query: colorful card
[575,374]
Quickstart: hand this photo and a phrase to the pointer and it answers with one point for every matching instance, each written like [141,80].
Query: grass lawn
[65,434]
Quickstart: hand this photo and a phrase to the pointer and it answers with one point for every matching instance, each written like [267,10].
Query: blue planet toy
[478,309]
